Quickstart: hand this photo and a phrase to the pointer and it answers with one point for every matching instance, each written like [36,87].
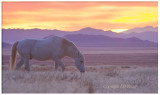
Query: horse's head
[79,62]
[73,52]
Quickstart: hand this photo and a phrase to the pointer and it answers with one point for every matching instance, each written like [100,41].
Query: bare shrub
[91,69]
[125,67]
[113,72]
[90,88]
[139,80]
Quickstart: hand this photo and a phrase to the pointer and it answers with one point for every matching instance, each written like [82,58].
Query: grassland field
[108,70]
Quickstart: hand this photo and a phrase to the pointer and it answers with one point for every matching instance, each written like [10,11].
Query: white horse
[53,48]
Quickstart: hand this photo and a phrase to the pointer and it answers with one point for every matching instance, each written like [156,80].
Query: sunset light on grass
[72,16]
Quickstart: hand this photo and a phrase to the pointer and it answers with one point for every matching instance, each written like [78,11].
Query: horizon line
[74,30]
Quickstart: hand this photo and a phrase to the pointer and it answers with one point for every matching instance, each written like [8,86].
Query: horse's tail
[13,56]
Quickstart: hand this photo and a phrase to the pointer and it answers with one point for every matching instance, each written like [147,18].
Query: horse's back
[53,40]
[43,49]
[47,48]
[26,43]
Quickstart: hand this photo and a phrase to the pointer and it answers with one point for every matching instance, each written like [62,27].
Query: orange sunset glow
[71,16]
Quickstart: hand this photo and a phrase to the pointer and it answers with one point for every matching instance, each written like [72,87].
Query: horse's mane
[67,43]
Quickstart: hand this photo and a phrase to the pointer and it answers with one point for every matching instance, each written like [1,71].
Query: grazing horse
[53,48]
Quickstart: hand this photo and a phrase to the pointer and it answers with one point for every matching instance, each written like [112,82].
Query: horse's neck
[73,53]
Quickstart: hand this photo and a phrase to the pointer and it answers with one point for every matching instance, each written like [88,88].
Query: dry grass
[108,70]
[100,79]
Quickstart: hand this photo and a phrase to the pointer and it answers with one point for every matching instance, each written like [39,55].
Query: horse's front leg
[57,60]
[26,63]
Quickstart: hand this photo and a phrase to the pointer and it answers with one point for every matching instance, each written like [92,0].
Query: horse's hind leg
[56,66]
[19,64]
[57,60]
[26,63]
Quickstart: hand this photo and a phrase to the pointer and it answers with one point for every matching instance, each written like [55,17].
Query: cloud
[74,15]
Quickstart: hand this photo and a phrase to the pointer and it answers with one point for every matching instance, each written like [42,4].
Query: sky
[72,16]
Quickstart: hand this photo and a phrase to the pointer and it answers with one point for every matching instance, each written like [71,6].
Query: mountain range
[105,41]
[12,35]
[91,34]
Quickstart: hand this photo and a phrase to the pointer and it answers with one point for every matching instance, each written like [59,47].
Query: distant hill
[148,35]
[142,29]
[48,36]
[12,35]
[89,30]
[6,45]
[105,41]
